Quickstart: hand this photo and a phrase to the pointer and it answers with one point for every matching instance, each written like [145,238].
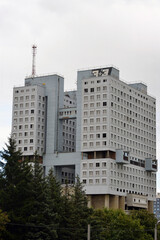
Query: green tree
[115,225]
[81,212]
[147,220]
[15,182]
[75,213]
[39,208]
[3,221]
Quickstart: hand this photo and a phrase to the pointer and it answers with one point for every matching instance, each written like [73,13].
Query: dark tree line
[33,207]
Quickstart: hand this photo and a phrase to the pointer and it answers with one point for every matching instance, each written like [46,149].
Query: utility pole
[89,232]
[155,230]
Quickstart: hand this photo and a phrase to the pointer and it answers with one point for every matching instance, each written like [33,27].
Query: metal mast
[34,48]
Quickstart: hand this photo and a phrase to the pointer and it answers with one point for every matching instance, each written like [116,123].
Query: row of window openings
[96,120]
[68,149]
[97,173]
[26,90]
[98,97]
[98,135]
[131,128]
[91,144]
[92,128]
[27,105]
[31,126]
[133,150]
[68,101]
[96,81]
[70,143]
[134,143]
[22,98]
[138,102]
[134,178]
[30,149]
[71,122]
[132,185]
[131,98]
[97,112]
[127,126]
[27,112]
[129,169]
[70,136]
[97,128]
[26,141]
[97,181]
[98,104]
[28,133]
[97,164]
[119,167]
[68,129]
[129,119]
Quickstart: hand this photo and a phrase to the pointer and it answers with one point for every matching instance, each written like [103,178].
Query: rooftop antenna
[34,48]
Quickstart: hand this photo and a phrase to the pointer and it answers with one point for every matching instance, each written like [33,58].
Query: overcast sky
[76,34]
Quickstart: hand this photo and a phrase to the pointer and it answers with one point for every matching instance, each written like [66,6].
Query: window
[25,148]
[86,90]
[92,90]
[32,111]
[103,164]
[98,135]
[31,140]
[97,164]
[104,135]
[104,103]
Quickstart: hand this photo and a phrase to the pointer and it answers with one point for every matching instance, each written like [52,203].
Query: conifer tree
[41,217]
[81,212]
[15,180]
[75,214]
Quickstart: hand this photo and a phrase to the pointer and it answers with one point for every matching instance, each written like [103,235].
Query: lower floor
[127,203]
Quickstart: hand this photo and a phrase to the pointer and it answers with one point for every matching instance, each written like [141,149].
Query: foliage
[116,225]
[3,221]
[38,208]
[147,220]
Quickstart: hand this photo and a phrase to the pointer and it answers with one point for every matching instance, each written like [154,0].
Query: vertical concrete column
[89,201]
[107,154]
[114,202]
[106,201]
[122,202]
[95,155]
[150,206]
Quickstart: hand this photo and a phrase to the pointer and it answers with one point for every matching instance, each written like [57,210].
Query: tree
[41,217]
[3,221]
[15,182]
[81,212]
[75,213]
[147,220]
[115,225]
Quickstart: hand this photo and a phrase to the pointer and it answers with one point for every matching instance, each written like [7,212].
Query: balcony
[122,157]
[151,165]
[67,113]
